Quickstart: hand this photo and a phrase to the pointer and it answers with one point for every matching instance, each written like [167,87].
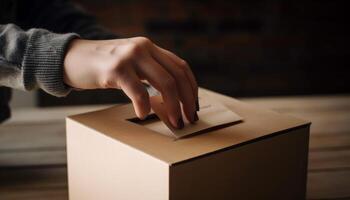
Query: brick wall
[240,48]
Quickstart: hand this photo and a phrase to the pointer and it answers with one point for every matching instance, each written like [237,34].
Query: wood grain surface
[33,159]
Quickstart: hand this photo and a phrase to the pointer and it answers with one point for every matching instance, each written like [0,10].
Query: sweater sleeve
[33,58]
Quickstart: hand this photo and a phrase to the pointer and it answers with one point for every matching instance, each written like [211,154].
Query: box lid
[258,123]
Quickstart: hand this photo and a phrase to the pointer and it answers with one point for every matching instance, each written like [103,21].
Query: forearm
[33,58]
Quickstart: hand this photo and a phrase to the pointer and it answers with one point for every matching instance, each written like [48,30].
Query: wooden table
[33,159]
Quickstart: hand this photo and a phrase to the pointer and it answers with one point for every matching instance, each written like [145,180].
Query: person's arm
[124,64]
[33,58]
[39,58]
[60,16]
[120,63]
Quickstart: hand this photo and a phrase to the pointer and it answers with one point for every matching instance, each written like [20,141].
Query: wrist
[70,62]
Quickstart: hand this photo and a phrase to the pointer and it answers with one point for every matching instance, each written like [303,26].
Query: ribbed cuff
[43,61]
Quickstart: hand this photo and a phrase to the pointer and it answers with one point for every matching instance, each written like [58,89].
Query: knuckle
[135,49]
[143,41]
[183,63]
[138,46]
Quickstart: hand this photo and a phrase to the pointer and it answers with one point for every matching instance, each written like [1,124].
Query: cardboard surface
[264,157]
[274,168]
[102,168]
[257,123]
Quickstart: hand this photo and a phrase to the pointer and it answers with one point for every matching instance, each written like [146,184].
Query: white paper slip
[212,115]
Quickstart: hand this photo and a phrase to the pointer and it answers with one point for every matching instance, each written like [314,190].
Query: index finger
[182,63]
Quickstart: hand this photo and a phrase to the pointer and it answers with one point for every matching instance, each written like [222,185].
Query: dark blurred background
[239,48]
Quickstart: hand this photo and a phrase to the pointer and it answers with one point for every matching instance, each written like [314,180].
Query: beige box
[263,157]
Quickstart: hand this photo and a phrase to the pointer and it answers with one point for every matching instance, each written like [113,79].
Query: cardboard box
[264,157]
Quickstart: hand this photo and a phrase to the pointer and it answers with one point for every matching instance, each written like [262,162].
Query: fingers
[166,84]
[162,69]
[135,90]
[186,91]
[183,64]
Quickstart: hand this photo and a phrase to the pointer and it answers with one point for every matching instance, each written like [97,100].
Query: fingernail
[196,117]
[197,105]
[180,123]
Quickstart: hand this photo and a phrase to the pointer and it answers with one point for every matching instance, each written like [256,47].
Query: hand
[124,64]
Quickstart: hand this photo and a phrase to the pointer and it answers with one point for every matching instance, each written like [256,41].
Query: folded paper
[212,115]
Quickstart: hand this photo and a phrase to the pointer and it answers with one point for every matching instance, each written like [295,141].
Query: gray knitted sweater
[33,40]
